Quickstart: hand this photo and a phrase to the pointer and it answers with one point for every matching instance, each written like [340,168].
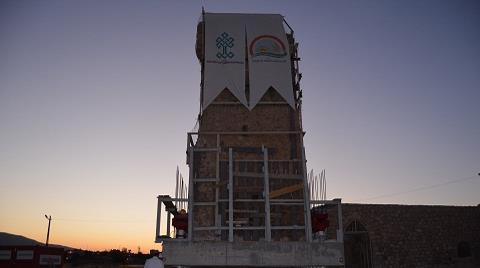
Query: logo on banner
[269,46]
[224,45]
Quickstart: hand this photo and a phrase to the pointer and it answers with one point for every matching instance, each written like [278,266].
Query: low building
[31,256]
[410,235]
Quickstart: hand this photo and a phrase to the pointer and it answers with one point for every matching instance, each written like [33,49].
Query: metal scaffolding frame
[187,201]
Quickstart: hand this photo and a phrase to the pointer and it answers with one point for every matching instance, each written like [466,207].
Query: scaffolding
[254,195]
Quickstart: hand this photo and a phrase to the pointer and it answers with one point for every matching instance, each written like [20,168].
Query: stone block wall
[417,235]
[225,114]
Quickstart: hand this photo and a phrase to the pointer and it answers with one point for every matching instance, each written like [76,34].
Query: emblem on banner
[267,45]
[224,45]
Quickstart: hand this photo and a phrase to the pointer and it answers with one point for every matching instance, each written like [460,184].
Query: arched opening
[357,245]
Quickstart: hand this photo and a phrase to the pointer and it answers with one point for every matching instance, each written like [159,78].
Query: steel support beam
[190,194]
[230,194]
[168,222]
[340,220]
[266,190]
[306,193]
[159,218]
[217,190]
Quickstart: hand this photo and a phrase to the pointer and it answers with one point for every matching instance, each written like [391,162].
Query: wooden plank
[286,190]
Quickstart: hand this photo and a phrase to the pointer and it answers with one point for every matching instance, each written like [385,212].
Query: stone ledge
[278,254]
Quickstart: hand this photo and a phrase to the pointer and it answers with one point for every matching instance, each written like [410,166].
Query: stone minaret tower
[247,155]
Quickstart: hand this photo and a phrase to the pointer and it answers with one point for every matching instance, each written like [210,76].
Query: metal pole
[190,195]
[308,222]
[181,193]
[268,231]
[217,189]
[230,195]
[168,222]
[159,217]
[49,218]
[340,220]
[324,185]
[176,187]
[310,183]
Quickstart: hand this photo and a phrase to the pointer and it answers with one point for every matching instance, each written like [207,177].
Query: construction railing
[245,193]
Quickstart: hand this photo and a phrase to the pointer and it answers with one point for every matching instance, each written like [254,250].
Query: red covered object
[320,221]
[180,221]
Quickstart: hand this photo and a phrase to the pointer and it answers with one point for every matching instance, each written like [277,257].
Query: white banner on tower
[268,58]
[224,56]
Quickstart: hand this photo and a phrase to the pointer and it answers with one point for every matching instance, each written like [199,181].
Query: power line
[419,188]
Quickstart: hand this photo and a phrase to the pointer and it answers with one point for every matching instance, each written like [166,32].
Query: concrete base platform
[277,254]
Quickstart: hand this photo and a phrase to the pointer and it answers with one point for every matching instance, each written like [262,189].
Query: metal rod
[186,195]
[190,195]
[320,186]
[204,203]
[176,187]
[242,200]
[323,202]
[246,132]
[217,189]
[310,178]
[318,194]
[212,228]
[168,223]
[340,220]
[287,204]
[320,183]
[324,187]
[288,227]
[308,222]
[188,148]
[291,30]
[230,195]
[285,200]
[202,84]
[261,160]
[159,216]
[49,218]
[181,193]
[239,103]
[205,149]
[268,231]
[205,179]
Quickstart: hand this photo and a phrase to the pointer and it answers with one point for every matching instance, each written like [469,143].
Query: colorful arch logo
[267,45]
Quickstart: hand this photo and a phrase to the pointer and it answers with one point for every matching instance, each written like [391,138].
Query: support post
[230,195]
[217,190]
[308,221]
[190,194]
[268,231]
[340,220]
[159,217]
[168,222]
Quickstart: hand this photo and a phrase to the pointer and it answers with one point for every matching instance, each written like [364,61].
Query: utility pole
[49,218]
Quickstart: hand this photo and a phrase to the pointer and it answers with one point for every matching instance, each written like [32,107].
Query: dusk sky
[96,98]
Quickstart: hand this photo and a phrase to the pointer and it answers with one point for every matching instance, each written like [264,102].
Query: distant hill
[7,239]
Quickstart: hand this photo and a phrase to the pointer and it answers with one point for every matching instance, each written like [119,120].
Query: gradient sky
[96,98]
